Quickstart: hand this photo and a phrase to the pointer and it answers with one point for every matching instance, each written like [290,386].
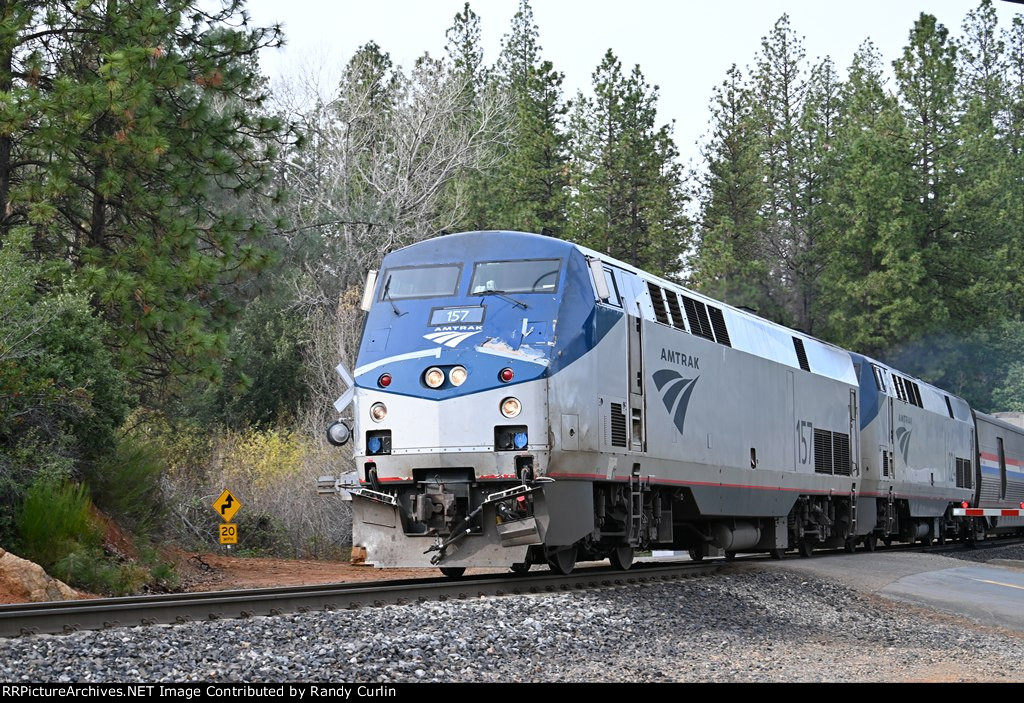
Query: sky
[682,46]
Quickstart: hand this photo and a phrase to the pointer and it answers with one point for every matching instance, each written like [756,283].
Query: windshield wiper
[505,296]
[387,297]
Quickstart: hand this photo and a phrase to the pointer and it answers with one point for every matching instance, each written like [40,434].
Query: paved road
[992,594]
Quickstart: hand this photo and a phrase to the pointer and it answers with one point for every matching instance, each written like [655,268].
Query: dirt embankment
[217,572]
[208,572]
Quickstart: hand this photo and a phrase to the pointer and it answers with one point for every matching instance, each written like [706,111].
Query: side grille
[658,302]
[673,307]
[964,475]
[718,322]
[801,354]
[706,321]
[885,463]
[831,453]
[914,392]
[700,325]
[822,452]
[841,453]
[619,435]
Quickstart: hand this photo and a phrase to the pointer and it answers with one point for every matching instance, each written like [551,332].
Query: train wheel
[887,540]
[850,545]
[621,558]
[696,555]
[777,553]
[870,542]
[806,548]
[562,560]
[730,556]
[453,572]
[520,567]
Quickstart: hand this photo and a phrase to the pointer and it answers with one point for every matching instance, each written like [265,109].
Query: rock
[28,581]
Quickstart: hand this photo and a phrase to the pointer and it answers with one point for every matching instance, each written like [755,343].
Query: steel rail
[69,616]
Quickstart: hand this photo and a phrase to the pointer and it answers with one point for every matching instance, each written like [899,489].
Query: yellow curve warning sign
[226,506]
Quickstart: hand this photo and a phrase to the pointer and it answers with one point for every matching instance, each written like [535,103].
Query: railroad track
[71,616]
[990,543]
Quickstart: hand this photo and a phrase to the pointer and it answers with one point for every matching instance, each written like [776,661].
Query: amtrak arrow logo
[449,339]
[675,393]
[903,438]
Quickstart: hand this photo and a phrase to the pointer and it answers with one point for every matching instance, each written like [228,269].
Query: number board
[456,316]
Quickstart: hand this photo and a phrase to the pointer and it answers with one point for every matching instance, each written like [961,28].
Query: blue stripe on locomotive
[871,400]
[565,324]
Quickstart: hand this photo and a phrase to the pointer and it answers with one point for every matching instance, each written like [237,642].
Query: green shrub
[261,534]
[62,396]
[89,568]
[55,521]
[164,577]
[126,485]
[58,529]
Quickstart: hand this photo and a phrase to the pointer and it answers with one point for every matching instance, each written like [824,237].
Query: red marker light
[1022,505]
[506,375]
[964,504]
[384,381]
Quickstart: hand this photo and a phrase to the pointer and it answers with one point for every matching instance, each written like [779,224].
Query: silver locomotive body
[519,399]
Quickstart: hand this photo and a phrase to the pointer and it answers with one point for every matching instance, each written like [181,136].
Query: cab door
[637,435]
[885,421]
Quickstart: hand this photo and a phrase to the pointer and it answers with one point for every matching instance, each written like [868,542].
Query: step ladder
[636,505]
[853,510]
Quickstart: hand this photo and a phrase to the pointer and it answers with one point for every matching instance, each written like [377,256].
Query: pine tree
[781,85]
[464,50]
[730,262]
[130,132]
[1014,130]
[474,191]
[983,197]
[627,178]
[532,177]
[820,115]
[926,78]
[870,286]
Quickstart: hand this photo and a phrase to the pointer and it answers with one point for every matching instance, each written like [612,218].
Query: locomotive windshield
[421,282]
[537,276]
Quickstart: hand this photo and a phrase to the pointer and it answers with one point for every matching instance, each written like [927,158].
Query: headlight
[338,433]
[378,411]
[458,375]
[434,377]
[511,407]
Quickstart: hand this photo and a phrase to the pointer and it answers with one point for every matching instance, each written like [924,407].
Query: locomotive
[519,399]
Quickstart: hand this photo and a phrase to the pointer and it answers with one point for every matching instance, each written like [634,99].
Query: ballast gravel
[989,552]
[749,623]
